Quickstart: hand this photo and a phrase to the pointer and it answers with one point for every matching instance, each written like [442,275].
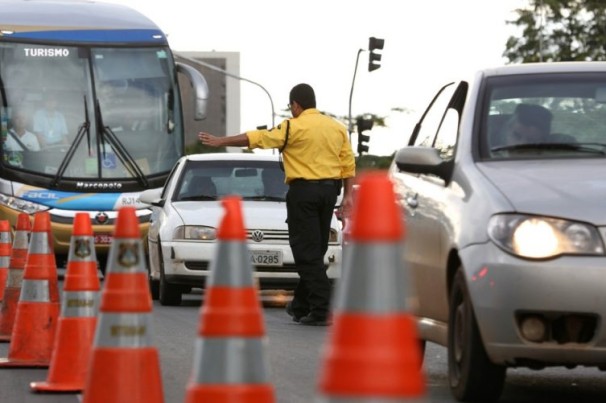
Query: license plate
[266,257]
[103,239]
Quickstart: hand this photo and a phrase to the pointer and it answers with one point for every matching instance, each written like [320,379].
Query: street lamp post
[228,74]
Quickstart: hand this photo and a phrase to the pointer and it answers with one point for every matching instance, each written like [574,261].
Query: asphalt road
[295,355]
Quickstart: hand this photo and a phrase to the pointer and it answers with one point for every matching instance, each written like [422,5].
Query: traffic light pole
[353,81]
[374,62]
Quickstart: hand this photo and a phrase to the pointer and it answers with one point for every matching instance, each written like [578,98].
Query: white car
[187,211]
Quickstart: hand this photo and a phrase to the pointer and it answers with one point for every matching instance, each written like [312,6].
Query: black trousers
[310,207]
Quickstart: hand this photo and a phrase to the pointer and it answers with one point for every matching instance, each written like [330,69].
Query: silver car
[187,211]
[503,188]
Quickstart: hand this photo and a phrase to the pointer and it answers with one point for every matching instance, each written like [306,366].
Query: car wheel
[154,285]
[472,376]
[168,294]
[154,289]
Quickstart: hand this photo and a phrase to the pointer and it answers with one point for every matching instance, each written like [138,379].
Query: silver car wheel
[472,376]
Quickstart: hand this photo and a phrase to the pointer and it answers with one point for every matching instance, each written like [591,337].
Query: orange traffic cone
[372,351]
[230,363]
[38,308]
[5,254]
[76,326]
[16,267]
[124,366]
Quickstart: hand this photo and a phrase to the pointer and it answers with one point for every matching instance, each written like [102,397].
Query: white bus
[90,113]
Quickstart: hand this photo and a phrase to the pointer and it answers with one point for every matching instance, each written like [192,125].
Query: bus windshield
[89,113]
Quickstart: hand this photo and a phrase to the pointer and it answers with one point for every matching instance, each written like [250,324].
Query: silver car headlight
[22,206]
[536,237]
[200,232]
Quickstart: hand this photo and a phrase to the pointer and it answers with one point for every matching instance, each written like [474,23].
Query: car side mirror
[423,160]
[152,197]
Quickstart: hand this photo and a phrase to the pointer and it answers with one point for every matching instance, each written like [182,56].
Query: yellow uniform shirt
[318,147]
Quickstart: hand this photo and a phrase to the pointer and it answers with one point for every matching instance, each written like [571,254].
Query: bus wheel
[102,262]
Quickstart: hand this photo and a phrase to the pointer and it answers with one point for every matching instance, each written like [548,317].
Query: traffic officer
[318,162]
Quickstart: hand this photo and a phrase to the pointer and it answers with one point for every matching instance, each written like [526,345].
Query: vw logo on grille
[101,218]
[257,235]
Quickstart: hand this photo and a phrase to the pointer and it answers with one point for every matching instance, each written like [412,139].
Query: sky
[282,43]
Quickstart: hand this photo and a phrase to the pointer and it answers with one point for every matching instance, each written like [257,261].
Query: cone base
[244,393]
[5,339]
[8,363]
[119,375]
[56,387]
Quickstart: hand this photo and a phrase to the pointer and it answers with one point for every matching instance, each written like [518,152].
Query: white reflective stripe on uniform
[380,295]
[236,269]
[79,304]
[39,244]
[126,256]
[230,360]
[15,278]
[82,249]
[5,261]
[128,330]
[35,291]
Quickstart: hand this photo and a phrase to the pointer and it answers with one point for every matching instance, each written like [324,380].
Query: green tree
[559,30]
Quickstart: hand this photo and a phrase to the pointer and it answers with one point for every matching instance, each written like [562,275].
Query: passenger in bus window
[19,138]
[49,123]
[134,120]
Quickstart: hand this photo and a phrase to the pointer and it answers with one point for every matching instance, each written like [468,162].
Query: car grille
[278,236]
[59,219]
[268,235]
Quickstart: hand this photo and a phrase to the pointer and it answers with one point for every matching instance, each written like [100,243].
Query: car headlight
[200,232]
[22,206]
[536,237]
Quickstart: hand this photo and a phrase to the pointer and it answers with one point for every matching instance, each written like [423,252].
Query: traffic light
[374,58]
[363,125]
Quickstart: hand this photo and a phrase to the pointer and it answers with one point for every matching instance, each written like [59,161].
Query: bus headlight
[536,237]
[22,206]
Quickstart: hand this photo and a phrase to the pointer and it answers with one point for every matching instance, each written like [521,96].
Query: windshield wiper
[83,129]
[107,134]
[584,147]
[197,198]
[264,197]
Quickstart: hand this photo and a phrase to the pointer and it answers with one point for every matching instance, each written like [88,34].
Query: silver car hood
[257,215]
[568,188]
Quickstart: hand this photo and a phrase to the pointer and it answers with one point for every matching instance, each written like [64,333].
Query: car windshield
[554,116]
[211,180]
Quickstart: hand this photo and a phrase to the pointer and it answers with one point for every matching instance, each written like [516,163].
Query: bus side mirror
[199,87]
